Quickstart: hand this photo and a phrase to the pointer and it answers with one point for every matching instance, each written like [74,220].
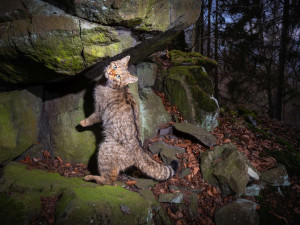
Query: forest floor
[264,145]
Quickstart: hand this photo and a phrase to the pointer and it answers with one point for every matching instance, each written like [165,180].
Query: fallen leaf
[59,159]
[210,193]
[131,182]
[227,141]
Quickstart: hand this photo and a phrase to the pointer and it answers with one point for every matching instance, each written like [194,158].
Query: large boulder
[41,42]
[141,15]
[227,168]
[44,43]
[60,133]
[79,202]
[190,89]
[19,118]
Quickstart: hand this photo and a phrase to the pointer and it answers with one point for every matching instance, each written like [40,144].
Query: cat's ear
[125,60]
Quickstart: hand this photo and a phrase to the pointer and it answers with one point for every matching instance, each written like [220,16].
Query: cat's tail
[154,169]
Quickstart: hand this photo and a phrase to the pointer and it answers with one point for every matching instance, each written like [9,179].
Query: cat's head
[117,73]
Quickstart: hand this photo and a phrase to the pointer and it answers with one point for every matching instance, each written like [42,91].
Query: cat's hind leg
[105,178]
[112,158]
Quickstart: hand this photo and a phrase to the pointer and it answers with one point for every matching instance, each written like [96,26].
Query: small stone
[171,198]
[184,172]
[166,131]
[157,147]
[142,183]
[196,132]
[276,176]
[254,189]
[168,154]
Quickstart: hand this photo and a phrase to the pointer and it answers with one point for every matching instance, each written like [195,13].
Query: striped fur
[117,109]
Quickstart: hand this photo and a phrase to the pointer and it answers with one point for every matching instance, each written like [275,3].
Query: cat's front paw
[89,178]
[83,123]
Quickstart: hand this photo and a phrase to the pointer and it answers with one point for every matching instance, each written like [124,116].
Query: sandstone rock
[169,152]
[196,132]
[60,130]
[239,212]
[19,116]
[171,198]
[141,15]
[144,183]
[152,113]
[146,72]
[80,202]
[43,41]
[276,176]
[166,131]
[53,44]
[184,172]
[190,89]
[224,166]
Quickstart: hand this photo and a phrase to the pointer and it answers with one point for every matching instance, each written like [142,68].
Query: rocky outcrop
[227,168]
[141,15]
[19,118]
[43,41]
[79,202]
[188,86]
[60,132]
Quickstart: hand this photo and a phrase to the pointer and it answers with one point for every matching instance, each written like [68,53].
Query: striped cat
[118,111]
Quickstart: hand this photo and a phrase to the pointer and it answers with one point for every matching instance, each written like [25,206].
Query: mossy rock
[79,202]
[51,44]
[19,116]
[180,58]
[227,168]
[149,15]
[61,132]
[190,89]
[152,113]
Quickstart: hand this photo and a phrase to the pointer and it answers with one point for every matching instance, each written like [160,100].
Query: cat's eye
[114,67]
[118,76]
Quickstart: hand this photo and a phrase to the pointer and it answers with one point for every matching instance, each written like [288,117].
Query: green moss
[19,113]
[80,201]
[11,211]
[8,137]
[189,88]
[178,58]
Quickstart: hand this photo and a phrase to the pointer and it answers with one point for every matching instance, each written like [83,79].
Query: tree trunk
[216,76]
[208,28]
[201,39]
[281,64]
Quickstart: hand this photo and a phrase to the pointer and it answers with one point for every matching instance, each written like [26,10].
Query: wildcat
[117,110]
